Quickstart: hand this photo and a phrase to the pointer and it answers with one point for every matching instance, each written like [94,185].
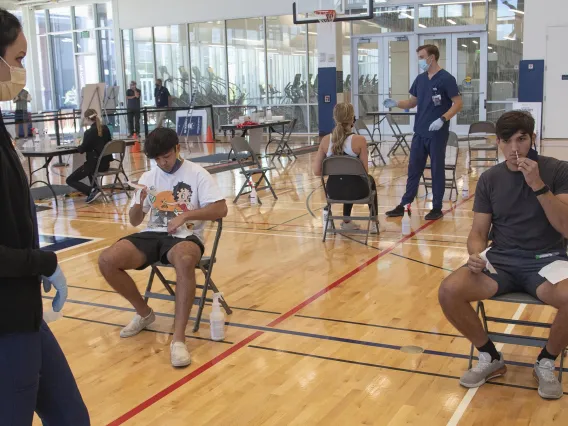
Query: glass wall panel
[64,71]
[144,63]
[209,62]
[60,19]
[246,59]
[108,57]
[104,15]
[84,17]
[505,39]
[128,52]
[448,15]
[172,56]
[287,66]
[312,82]
[41,23]
[346,47]
[387,20]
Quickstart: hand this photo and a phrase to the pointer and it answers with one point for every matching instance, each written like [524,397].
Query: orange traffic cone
[136,147]
[209,136]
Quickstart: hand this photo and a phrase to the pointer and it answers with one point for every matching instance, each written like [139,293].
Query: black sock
[490,348]
[545,354]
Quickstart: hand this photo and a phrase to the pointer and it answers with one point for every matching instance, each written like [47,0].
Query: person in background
[343,141]
[133,109]
[34,374]
[94,141]
[437,96]
[163,100]
[21,118]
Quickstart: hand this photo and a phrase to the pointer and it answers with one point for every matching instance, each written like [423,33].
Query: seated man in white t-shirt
[180,197]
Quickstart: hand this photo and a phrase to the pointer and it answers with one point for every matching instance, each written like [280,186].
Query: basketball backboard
[346,10]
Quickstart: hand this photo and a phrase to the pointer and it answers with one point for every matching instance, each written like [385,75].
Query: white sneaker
[179,355]
[350,226]
[137,325]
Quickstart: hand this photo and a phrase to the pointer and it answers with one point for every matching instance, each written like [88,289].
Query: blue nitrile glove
[58,281]
[390,103]
[436,125]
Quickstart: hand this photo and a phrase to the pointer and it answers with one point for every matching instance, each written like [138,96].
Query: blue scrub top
[434,100]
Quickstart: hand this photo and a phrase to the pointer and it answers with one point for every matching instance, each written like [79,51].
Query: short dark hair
[514,121]
[160,141]
[11,29]
[431,50]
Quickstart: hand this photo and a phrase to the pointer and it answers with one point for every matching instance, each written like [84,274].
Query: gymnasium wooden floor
[317,329]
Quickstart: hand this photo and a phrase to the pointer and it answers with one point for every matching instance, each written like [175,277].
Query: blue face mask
[176,167]
[423,64]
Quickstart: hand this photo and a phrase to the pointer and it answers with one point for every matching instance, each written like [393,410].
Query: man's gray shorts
[517,270]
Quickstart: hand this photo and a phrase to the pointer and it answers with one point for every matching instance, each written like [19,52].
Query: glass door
[368,74]
[386,67]
[464,55]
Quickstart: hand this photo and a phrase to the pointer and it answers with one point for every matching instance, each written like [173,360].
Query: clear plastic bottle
[217,319]
[253,195]
[406,229]
[465,189]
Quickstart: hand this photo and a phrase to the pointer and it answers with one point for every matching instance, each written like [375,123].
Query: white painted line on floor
[460,411]
[83,254]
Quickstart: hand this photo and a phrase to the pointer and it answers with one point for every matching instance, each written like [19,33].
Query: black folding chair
[342,166]
[205,265]
[399,136]
[112,148]
[241,146]
[362,129]
[515,339]
[452,153]
[480,131]
[283,147]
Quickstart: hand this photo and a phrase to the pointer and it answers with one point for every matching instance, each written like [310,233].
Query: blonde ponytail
[343,115]
[92,115]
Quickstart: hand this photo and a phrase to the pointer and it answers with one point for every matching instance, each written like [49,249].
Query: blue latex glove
[58,281]
[390,103]
[436,125]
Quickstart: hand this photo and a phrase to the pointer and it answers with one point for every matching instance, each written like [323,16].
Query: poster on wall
[535,109]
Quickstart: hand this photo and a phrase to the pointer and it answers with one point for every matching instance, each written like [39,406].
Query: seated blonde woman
[342,141]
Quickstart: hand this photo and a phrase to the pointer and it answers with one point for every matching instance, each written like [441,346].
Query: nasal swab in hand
[517,152]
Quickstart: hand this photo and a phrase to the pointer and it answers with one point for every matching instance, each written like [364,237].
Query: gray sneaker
[548,385]
[484,370]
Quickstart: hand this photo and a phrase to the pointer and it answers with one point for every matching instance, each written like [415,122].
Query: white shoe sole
[497,373]
[179,364]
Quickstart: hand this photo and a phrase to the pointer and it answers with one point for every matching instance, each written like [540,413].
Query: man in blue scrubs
[436,94]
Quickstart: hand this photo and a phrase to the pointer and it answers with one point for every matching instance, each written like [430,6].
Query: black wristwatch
[542,191]
[444,119]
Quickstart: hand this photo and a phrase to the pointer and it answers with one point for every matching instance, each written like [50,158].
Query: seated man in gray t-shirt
[521,205]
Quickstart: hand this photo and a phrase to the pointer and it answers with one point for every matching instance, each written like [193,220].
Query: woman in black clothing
[34,374]
[94,141]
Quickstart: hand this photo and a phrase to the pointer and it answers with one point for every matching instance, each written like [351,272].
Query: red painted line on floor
[237,346]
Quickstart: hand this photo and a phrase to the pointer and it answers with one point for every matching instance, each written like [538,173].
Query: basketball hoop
[326,15]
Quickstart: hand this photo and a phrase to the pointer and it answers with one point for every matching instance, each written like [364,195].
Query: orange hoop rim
[326,15]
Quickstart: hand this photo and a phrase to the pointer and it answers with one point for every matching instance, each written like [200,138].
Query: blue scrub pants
[35,376]
[421,148]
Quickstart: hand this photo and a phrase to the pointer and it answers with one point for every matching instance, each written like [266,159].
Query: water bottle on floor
[325,215]
[465,189]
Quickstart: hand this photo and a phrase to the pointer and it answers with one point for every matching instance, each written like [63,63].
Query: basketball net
[326,15]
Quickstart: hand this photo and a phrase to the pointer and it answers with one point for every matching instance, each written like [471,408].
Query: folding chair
[480,131]
[362,129]
[241,146]
[283,147]
[515,339]
[343,166]
[205,265]
[452,153]
[399,136]
[111,148]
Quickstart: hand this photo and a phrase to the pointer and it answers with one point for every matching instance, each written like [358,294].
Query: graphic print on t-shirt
[166,205]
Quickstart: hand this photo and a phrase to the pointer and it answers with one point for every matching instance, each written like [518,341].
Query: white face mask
[10,89]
